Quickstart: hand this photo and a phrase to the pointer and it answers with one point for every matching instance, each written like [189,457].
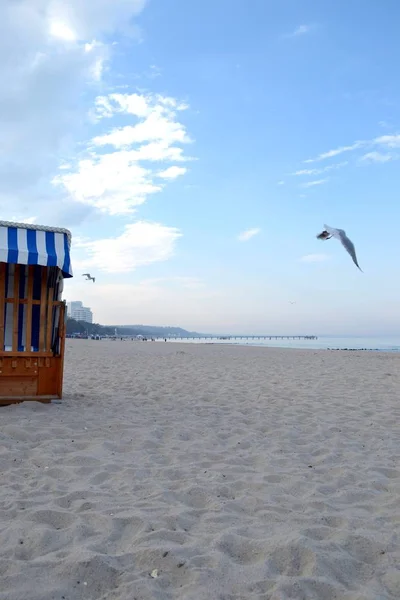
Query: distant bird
[340,235]
[290,302]
[88,277]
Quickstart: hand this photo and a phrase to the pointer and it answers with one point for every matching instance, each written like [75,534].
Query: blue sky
[160,131]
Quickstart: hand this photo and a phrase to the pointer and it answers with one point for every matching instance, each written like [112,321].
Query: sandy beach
[173,471]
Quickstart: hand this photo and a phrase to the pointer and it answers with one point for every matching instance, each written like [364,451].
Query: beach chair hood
[24,244]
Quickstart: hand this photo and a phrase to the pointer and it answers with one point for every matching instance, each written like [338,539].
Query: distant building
[78,312]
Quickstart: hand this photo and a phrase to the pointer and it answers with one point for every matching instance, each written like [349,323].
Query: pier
[243,337]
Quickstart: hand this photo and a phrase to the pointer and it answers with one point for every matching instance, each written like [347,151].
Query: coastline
[291,344]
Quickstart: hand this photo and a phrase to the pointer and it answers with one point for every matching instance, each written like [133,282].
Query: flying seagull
[340,235]
[88,277]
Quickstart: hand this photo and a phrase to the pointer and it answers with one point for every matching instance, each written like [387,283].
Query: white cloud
[62,31]
[388,141]
[27,220]
[244,236]
[300,30]
[87,18]
[159,151]
[55,50]
[307,172]
[313,258]
[376,157]
[117,182]
[281,183]
[309,184]
[140,244]
[391,141]
[112,183]
[336,152]
[172,172]
[335,166]
[159,125]
[139,105]
[154,72]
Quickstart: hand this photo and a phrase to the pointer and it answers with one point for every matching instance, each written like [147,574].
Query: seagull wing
[340,235]
[348,244]
[85,275]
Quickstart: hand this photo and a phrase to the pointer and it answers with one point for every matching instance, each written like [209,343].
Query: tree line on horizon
[82,328]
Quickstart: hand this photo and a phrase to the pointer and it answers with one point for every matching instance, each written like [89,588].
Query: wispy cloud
[315,182]
[319,171]
[386,141]
[307,172]
[391,141]
[313,258]
[336,152]
[244,236]
[154,72]
[300,30]
[377,157]
[281,182]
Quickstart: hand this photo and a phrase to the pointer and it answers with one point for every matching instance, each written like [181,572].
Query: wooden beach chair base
[36,378]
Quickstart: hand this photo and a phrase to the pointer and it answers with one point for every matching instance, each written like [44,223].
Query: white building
[79,312]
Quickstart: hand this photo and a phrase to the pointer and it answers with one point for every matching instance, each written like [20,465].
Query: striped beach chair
[34,261]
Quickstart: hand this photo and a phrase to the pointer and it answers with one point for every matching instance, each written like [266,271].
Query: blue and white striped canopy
[22,244]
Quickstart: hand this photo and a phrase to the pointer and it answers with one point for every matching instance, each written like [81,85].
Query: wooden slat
[15,308]
[18,386]
[62,332]
[49,326]
[21,301]
[43,306]
[61,325]
[9,354]
[28,328]
[2,305]
[34,302]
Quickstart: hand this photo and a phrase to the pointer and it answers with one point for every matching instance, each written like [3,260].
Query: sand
[173,471]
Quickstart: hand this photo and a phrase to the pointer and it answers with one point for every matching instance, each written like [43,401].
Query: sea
[382,344]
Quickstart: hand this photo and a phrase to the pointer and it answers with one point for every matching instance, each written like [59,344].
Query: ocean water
[386,344]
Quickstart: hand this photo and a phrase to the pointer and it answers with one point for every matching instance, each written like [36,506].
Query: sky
[196,149]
